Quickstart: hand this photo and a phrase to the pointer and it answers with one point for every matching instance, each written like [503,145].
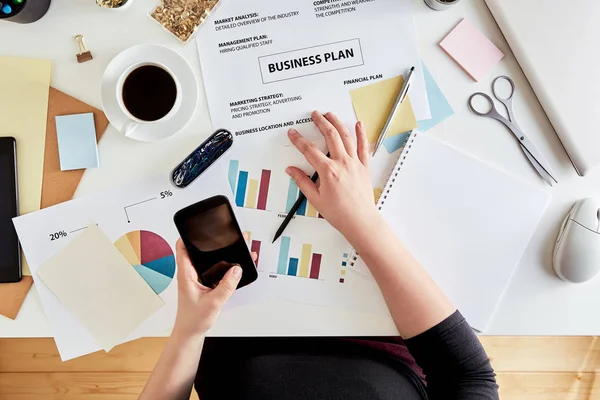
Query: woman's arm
[173,375]
[197,309]
[454,362]
[414,300]
[438,337]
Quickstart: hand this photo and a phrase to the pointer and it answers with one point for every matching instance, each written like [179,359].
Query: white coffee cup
[133,122]
[156,120]
[440,5]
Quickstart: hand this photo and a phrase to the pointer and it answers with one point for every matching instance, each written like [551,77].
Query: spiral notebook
[466,222]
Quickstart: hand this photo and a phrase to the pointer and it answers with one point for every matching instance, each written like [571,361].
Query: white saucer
[176,64]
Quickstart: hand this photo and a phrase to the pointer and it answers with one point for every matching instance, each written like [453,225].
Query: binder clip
[84,54]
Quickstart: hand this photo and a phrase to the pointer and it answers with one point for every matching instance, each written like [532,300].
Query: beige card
[373,105]
[99,287]
[23,110]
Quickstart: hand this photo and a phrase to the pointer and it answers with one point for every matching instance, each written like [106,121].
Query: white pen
[399,100]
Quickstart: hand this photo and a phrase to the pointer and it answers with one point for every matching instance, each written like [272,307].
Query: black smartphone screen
[214,241]
[10,251]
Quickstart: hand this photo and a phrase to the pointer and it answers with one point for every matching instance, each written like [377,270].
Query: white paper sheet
[322,287]
[148,205]
[325,49]
[93,280]
[468,225]
[325,281]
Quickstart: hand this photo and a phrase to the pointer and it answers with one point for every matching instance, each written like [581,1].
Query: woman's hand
[197,311]
[344,194]
[199,306]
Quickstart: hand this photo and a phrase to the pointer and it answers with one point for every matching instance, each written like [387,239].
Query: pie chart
[151,256]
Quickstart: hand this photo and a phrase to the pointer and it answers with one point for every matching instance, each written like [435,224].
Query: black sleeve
[454,362]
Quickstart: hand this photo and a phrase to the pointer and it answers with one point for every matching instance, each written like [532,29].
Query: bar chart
[254,246]
[249,192]
[306,209]
[308,265]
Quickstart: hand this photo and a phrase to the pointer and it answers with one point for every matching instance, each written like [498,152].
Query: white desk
[537,303]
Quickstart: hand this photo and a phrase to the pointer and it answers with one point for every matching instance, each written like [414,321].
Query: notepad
[77,145]
[471,49]
[23,109]
[93,280]
[373,105]
[466,222]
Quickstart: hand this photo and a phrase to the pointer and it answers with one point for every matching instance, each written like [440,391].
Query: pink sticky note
[471,49]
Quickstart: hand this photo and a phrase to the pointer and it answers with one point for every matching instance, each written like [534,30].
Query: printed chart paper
[142,212]
[268,64]
[308,264]
[93,280]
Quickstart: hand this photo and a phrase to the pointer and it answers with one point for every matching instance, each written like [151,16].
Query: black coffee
[149,93]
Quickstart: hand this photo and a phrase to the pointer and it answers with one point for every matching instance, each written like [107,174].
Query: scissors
[531,152]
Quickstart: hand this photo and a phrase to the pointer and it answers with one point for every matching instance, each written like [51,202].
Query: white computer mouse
[577,249]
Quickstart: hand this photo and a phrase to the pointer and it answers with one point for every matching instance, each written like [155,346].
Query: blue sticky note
[77,145]
[440,111]
[440,108]
[393,143]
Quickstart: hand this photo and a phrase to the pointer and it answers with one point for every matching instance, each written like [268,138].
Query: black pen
[294,209]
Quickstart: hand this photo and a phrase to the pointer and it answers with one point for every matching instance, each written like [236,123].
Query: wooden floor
[534,368]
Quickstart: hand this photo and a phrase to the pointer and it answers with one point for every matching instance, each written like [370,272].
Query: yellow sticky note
[23,113]
[377,192]
[373,104]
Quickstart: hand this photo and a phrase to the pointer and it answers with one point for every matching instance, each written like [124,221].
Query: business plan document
[268,64]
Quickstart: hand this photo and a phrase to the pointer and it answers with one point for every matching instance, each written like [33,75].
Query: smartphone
[214,241]
[10,250]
